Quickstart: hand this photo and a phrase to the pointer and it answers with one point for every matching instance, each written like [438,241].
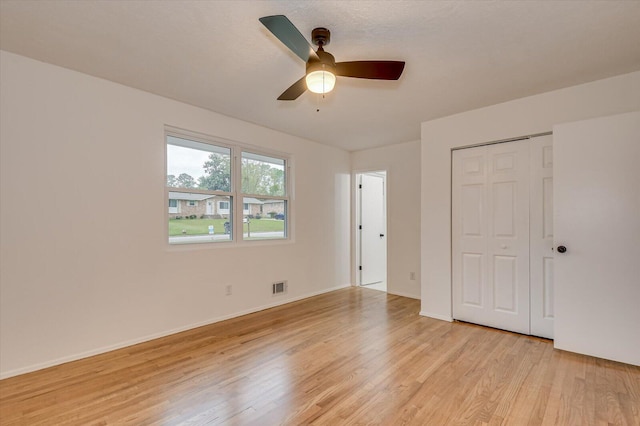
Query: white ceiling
[216,55]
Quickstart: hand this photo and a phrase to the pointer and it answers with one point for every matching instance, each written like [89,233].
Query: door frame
[355,221]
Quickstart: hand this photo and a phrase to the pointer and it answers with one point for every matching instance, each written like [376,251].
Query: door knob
[561,249]
[381,235]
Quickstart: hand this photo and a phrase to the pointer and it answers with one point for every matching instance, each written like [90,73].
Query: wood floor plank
[349,357]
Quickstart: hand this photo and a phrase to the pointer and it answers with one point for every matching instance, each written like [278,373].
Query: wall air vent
[279,288]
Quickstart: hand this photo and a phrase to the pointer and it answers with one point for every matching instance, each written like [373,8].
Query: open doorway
[371,229]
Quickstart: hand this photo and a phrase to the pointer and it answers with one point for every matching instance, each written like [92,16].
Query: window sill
[209,245]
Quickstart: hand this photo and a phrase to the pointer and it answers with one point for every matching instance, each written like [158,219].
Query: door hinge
[360,186]
[360,267]
[359,226]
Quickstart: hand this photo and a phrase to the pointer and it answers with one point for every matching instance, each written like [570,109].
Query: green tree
[185,181]
[171,181]
[276,181]
[261,178]
[253,176]
[217,173]
[258,177]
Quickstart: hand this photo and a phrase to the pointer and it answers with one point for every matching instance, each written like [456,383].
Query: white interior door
[541,236]
[597,219]
[490,235]
[372,228]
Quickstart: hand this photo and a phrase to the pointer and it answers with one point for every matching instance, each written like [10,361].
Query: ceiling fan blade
[293,92]
[379,70]
[288,34]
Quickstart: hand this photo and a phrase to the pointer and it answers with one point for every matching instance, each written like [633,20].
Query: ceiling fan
[322,68]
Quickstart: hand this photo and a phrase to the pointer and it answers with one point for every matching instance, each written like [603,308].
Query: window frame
[287,190]
[236,196]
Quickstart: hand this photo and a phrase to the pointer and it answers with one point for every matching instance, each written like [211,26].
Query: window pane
[265,219]
[262,175]
[199,165]
[203,221]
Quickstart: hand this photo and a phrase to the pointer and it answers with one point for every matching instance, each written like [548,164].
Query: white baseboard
[98,351]
[436,316]
[399,293]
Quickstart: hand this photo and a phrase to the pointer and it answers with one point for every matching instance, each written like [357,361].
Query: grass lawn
[201,226]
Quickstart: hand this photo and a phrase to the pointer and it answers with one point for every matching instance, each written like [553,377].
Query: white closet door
[490,228]
[541,236]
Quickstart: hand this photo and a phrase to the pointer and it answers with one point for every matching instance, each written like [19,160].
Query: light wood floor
[354,356]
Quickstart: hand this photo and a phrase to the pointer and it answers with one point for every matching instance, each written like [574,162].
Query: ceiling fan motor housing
[326,63]
[321,36]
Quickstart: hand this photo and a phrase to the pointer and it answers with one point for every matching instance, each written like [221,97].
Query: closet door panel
[472,279]
[508,245]
[490,236]
[469,234]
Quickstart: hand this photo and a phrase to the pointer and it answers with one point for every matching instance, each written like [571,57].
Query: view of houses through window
[203,195]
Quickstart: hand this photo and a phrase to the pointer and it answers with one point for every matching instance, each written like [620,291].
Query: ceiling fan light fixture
[320,81]
[322,69]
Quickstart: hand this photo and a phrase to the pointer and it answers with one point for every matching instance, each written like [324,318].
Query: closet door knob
[561,249]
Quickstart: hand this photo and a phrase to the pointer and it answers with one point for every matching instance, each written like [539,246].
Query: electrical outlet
[227,290]
[412,276]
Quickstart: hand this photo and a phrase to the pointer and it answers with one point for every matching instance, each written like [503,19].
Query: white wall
[531,115]
[85,265]
[402,163]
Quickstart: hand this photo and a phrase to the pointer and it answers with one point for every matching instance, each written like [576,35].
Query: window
[213,180]
[198,171]
[223,208]
[173,206]
[264,192]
